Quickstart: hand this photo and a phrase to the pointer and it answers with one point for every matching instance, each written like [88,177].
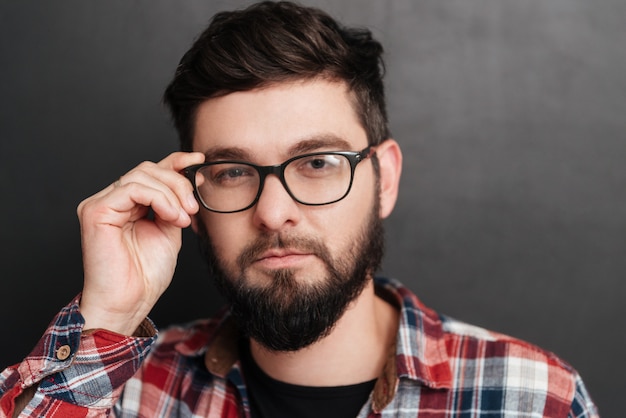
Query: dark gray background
[511,115]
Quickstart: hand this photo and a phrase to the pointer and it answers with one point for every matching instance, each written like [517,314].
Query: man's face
[289,270]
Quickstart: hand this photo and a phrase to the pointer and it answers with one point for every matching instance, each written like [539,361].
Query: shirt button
[63,352]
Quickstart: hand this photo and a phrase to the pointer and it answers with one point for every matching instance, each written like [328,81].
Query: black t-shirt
[270,398]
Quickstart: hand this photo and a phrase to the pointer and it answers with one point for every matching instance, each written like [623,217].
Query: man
[286,172]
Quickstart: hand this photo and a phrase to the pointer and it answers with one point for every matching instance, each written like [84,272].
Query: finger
[177,161]
[163,177]
[168,172]
[129,202]
[175,188]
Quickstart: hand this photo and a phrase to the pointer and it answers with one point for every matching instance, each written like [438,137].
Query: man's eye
[231,173]
[321,165]
[317,163]
[230,176]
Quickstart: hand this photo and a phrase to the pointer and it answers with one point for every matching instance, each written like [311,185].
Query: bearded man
[286,171]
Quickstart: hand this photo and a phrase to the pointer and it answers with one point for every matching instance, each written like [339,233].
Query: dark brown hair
[272,42]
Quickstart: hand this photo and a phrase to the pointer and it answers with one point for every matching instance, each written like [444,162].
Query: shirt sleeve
[77,374]
[582,404]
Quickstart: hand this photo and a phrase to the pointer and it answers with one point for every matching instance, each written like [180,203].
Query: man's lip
[280,253]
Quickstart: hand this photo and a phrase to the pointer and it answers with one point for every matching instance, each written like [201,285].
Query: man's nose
[275,208]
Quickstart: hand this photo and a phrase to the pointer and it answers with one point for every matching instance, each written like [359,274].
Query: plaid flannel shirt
[439,367]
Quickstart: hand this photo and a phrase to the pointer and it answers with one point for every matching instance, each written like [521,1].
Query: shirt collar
[419,352]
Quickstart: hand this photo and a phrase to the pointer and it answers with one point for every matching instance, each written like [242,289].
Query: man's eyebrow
[319,142]
[303,146]
[229,153]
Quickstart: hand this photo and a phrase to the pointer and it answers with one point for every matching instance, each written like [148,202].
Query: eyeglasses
[314,179]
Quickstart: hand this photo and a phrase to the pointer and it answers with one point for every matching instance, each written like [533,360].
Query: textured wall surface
[511,115]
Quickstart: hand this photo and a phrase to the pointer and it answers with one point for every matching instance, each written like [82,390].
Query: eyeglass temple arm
[367,152]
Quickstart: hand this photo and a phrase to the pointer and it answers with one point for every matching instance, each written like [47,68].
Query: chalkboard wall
[511,115]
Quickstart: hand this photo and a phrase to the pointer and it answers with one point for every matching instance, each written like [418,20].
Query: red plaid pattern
[441,368]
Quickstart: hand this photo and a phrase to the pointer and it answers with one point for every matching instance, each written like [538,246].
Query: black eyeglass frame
[354,157]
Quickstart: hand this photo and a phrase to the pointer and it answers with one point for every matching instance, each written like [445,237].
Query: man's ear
[390,163]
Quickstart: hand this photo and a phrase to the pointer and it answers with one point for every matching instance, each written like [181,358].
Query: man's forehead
[291,118]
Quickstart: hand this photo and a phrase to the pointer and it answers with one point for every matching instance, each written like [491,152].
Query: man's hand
[128,257]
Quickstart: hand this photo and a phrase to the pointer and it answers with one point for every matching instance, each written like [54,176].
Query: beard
[290,313]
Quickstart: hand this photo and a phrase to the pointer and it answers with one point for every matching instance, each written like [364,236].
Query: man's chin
[288,309]
[262,278]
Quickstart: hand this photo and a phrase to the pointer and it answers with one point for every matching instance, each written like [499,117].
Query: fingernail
[191,200]
[184,215]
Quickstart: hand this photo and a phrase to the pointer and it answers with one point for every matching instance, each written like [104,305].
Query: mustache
[263,243]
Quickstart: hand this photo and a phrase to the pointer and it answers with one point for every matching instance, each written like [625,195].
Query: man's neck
[355,351]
